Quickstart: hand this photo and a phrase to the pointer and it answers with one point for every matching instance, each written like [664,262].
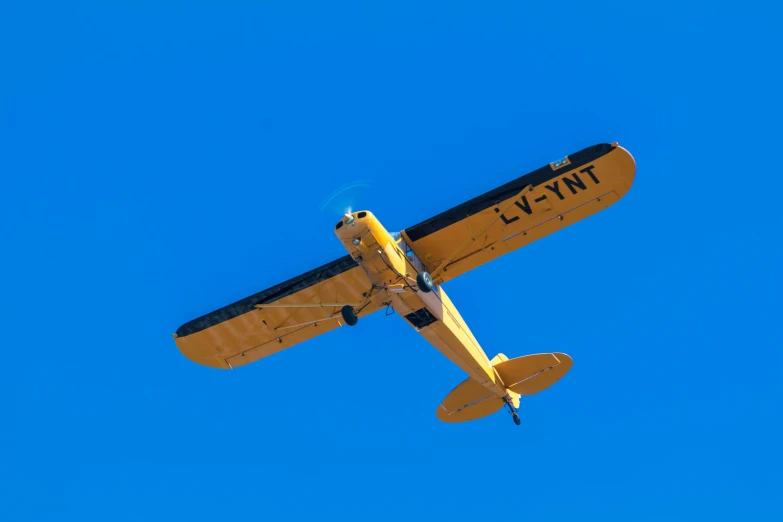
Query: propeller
[346,198]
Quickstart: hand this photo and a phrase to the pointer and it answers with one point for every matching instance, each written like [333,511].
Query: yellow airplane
[405,272]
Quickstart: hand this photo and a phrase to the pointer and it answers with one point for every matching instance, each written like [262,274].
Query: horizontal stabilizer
[468,401]
[533,373]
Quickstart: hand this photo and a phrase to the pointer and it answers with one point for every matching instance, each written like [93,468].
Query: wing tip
[626,163]
[211,360]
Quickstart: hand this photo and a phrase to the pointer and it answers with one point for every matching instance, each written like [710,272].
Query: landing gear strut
[349,316]
[513,411]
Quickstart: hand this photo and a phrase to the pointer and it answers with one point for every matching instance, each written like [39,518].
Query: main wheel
[349,316]
[516,418]
[424,280]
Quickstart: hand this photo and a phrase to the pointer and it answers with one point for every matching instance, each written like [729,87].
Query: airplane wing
[277,318]
[521,211]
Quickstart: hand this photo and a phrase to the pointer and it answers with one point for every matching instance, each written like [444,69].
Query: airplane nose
[349,219]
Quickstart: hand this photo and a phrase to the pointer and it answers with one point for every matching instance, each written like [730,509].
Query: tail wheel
[515,415]
[349,316]
[424,280]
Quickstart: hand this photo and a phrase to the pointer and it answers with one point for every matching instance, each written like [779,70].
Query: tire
[517,421]
[424,280]
[349,316]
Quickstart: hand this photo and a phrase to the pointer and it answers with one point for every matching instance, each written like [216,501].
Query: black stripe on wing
[306,280]
[502,193]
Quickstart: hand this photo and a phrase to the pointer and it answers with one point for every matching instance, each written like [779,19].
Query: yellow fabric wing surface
[245,331]
[521,211]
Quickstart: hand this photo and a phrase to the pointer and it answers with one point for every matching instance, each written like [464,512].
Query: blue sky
[161,162]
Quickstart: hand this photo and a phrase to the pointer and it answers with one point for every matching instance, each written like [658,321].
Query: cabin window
[410,255]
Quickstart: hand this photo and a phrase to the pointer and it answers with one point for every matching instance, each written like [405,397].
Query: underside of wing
[277,318]
[521,211]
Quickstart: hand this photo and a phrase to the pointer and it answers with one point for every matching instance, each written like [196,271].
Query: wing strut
[483,229]
[309,305]
[308,323]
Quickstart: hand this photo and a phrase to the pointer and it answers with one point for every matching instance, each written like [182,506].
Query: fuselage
[392,267]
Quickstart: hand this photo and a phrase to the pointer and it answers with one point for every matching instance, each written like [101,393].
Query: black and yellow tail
[521,376]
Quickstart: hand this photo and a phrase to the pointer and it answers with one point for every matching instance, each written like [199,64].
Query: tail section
[521,376]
